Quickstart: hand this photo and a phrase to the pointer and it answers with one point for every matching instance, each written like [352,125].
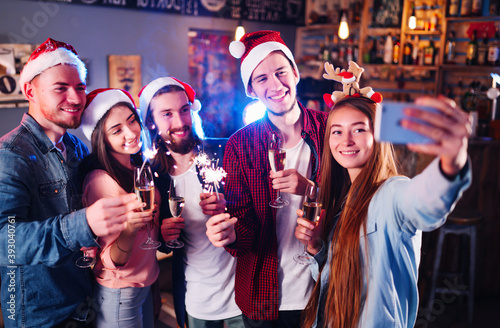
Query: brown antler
[332,73]
[355,70]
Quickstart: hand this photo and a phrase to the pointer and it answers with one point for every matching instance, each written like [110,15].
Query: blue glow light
[253,111]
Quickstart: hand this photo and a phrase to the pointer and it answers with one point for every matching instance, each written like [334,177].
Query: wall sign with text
[271,11]
[12,59]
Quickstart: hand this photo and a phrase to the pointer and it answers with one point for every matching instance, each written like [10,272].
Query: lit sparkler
[210,171]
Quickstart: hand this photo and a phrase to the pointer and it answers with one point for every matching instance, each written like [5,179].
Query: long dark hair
[343,303]
[100,158]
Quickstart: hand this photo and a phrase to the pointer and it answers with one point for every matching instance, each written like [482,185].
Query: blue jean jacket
[41,230]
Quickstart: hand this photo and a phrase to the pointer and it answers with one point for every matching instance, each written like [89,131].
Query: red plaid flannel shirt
[248,192]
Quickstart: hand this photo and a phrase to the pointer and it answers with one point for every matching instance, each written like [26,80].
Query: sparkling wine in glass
[312,209]
[176,204]
[145,191]
[277,159]
[86,260]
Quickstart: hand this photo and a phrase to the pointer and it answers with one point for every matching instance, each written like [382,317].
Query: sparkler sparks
[211,173]
[201,160]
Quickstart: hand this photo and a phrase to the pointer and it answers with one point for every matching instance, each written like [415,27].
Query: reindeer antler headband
[350,81]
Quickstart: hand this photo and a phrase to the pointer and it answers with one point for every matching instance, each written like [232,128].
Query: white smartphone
[388,124]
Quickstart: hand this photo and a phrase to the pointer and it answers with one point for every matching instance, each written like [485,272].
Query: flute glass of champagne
[176,204]
[277,159]
[312,208]
[145,192]
[87,260]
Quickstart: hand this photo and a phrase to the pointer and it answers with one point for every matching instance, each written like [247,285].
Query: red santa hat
[347,77]
[49,54]
[254,47]
[99,102]
[148,92]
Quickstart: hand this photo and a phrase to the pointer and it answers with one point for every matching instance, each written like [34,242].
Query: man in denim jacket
[41,225]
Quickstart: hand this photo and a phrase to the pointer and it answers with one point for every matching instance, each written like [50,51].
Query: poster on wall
[12,59]
[387,13]
[125,73]
[214,75]
[272,11]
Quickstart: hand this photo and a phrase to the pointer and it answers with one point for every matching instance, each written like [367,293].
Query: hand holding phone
[388,124]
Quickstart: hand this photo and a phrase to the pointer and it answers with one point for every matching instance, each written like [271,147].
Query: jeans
[286,319]
[124,307]
[234,322]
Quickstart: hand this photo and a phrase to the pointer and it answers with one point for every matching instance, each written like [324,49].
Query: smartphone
[388,124]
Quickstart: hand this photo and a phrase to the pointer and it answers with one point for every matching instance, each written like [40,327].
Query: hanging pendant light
[240,31]
[412,22]
[344,27]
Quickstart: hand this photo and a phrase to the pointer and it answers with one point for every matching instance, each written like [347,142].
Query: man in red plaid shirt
[271,288]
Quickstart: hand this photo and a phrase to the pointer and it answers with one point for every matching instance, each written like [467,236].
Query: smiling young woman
[367,242]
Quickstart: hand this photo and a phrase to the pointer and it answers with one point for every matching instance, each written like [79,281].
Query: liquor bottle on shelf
[471,53]
[465,8]
[334,51]
[326,50]
[379,58]
[342,52]
[449,56]
[428,17]
[477,8]
[433,22]
[355,53]
[407,53]
[453,7]
[482,51]
[429,53]
[416,50]
[358,8]
[494,50]
[420,14]
[388,49]
[369,56]
[321,51]
[350,51]
[395,51]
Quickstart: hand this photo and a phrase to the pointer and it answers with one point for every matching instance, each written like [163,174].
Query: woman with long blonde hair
[367,243]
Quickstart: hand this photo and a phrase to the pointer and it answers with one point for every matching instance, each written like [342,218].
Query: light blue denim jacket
[40,236]
[398,213]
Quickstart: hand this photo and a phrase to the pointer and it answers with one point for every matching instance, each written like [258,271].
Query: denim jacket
[41,232]
[398,213]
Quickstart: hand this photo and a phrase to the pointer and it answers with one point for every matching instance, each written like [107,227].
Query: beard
[62,120]
[69,125]
[285,112]
[180,146]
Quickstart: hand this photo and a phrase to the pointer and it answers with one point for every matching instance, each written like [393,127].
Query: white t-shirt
[295,279]
[209,270]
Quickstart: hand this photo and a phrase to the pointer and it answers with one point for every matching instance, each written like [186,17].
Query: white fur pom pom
[237,49]
[196,106]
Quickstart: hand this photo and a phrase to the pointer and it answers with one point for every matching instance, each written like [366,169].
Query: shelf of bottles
[471,54]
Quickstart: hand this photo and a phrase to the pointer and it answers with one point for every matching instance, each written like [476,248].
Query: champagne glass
[176,204]
[145,191]
[312,209]
[86,260]
[277,159]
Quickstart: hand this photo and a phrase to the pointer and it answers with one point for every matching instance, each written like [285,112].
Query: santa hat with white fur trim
[99,102]
[148,92]
[49,54]
[254,47]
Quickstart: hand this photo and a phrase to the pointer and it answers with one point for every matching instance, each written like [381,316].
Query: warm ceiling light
[343,28]
[412,22]
[240,31]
